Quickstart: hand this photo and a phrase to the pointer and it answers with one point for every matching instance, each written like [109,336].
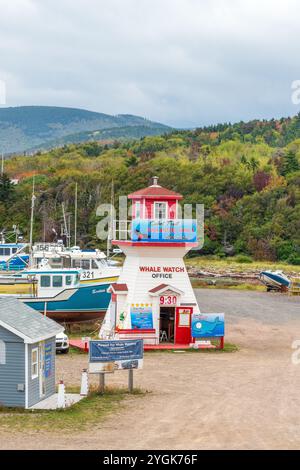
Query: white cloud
[184,62]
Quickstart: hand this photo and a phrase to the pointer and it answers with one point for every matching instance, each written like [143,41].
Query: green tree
[290,163]
[6,189]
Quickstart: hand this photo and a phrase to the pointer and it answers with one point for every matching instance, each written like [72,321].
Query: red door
[183,325]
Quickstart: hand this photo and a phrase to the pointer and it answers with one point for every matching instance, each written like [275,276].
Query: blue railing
[168,231]
[15,264]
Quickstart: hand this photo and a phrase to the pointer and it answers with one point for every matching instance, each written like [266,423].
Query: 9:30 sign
[168,300]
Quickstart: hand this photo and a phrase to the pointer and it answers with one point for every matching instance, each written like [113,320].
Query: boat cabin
[50,283]
[93,263]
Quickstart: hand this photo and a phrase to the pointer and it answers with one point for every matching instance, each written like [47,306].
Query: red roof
[158,288]
[155,191]
[119,287]
[164,287]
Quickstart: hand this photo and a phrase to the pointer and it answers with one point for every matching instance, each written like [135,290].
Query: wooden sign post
[102,382]
[130,380]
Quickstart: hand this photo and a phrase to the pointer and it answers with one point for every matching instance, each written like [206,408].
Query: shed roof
[25,322]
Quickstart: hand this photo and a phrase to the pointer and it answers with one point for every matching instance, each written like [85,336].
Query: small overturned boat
[274,280]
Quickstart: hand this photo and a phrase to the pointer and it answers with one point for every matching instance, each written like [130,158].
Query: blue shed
[27,354]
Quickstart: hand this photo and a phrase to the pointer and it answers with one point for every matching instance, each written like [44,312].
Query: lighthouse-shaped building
[153,298]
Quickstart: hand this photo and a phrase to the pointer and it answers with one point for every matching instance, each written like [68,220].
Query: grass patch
[205,262]
[200,283]
[89,411]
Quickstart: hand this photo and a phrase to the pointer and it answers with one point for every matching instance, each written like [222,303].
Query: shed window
[45,281]
[2,353]
[57,281]
[34,363]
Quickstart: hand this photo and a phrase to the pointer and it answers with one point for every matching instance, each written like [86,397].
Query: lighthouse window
[57,281]
[160,210]
[138,210]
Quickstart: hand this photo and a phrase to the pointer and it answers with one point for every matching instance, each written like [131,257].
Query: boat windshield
[58,280]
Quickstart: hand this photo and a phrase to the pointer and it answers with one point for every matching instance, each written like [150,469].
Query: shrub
[244,259]
[294,259]
[284,250]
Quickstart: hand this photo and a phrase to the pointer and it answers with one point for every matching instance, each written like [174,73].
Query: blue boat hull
[87,303]
[15,264]
[274,279]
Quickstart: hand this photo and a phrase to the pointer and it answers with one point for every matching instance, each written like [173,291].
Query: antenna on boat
[66,229]
[33,198]
[75,215]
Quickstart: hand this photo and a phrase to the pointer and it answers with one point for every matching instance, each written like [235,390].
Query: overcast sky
[181,62]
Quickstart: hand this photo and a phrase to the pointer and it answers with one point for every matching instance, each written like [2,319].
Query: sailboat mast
[66,231]
[75,215]
[33,198]
[110,228]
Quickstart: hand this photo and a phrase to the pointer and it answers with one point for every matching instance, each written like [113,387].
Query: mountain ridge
[24,128]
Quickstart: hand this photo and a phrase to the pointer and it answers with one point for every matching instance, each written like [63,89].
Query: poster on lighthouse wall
[208,325]
[141,317]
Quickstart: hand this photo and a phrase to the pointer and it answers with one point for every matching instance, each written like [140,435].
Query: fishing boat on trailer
[274,280]
[59,294]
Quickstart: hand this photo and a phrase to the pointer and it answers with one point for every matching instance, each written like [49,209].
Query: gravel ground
[243,400]
[269,308]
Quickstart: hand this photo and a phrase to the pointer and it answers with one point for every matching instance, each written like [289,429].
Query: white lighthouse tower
[153,298]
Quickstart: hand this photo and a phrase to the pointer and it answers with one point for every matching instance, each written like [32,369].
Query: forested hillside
[247,175]
[27,128]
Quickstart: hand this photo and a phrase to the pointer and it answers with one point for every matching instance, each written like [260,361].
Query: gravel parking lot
[243,400]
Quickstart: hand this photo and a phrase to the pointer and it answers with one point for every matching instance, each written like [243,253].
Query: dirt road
[244,400]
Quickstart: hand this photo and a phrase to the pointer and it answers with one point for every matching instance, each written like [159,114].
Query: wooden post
[130,380]
[102,382]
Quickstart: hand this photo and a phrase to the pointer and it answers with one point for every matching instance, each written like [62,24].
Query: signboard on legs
[108,356]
